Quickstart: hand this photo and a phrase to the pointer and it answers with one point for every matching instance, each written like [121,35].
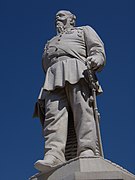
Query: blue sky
[25,28]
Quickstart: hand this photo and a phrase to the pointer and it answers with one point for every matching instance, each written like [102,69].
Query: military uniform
[66,87]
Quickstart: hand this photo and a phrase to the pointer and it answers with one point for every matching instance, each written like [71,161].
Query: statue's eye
[61,15]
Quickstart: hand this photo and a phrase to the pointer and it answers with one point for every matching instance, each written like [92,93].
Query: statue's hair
[71,15]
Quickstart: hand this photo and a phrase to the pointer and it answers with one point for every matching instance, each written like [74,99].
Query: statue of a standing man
[66,87]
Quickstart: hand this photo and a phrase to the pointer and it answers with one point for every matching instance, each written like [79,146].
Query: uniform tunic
[75,45]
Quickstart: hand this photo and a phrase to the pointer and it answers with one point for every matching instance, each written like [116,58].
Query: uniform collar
[68,30]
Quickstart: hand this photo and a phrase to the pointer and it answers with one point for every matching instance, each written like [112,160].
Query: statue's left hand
[96,62]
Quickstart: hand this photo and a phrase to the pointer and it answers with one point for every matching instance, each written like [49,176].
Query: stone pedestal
[86,168]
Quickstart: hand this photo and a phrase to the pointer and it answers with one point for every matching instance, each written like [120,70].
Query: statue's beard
[62,25]
[60,28]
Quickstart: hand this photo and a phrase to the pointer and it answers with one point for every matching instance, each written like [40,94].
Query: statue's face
[61,17]
[62,20]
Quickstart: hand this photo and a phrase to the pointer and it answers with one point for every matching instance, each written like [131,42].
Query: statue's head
[64,19]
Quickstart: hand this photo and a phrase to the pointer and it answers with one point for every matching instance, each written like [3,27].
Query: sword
[95,108]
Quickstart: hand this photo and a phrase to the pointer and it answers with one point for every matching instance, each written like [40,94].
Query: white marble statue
[67,87]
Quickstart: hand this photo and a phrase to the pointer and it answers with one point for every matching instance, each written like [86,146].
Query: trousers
[57,104]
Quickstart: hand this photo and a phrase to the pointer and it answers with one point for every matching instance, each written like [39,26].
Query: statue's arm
[39,105]
[44,58]
[95,49]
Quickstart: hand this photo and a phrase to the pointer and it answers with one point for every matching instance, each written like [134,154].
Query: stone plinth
[82,168]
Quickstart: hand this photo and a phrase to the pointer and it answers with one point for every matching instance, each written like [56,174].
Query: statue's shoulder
[85,27]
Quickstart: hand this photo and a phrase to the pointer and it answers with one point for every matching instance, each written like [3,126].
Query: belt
[60,58]
[55,52]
